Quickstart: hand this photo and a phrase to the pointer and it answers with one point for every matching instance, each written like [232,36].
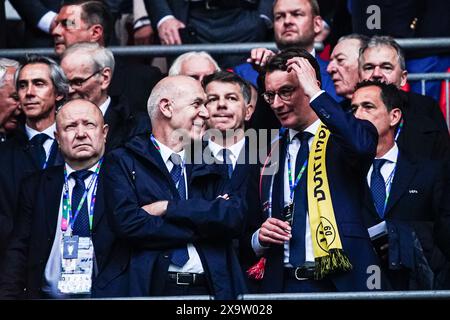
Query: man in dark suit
[41,85]
[62,239]
[91,21]
[89,69]
[424,133]
[177,216]
[206,21]
[296,236]
[401,193]
[9,100]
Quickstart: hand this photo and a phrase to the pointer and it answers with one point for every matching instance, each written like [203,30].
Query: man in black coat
[60,244]
[402,193]
[41,85]
[424,133]
[178,217]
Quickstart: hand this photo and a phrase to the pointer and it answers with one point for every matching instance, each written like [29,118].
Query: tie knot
[39,139]
[378,163]
[176,159]
[80,175]
[303,137]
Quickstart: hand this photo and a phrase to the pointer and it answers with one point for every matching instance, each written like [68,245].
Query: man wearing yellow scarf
[311,237]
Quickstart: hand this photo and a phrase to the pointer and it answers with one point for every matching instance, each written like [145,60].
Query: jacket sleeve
[15,260]
[126,217]
[358,137]
[157,9]
[265,7]
[30,11]
[209,216]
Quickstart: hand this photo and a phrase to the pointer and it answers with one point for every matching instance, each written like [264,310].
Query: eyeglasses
[78,82]
[285,93]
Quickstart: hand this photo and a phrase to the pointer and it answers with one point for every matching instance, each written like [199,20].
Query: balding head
[81,133]
[177,103]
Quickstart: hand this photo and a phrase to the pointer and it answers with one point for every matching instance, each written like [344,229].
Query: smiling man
[228,102]
[63,260]
[182,214]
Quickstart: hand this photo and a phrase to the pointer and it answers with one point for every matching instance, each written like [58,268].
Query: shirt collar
[217,148]
[392,154]
[311,129]
[104,106]
[69,169]
[166,152]
[50,131]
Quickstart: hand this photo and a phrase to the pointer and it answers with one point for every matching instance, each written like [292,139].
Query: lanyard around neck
[68,216]
[294,184]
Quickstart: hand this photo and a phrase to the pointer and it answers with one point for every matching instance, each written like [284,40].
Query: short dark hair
[278,61]
[95,12]
[229,77]
[391,96]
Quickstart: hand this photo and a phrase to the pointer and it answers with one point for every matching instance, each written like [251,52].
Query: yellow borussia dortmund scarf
[328,253]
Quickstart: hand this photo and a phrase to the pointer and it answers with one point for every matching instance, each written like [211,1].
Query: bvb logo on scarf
[328,253]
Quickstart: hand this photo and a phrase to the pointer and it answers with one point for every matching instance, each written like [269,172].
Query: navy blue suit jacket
[136,176]
[31,243]
[350,148]
[414,201]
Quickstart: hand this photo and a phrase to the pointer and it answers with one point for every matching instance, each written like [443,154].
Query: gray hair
[386,41]
[160,91]
[6,63]
[363,39]
[175,69]
[57,75]
[101,57]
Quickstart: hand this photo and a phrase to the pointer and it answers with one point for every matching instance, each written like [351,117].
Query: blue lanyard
[294,184]
[67,206]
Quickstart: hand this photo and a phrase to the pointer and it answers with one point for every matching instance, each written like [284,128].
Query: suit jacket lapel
[405,171]
[53,191]
[278,184]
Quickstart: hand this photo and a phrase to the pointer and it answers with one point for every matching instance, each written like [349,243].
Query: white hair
[175,69]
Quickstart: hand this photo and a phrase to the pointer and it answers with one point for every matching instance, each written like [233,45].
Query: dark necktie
[226,155]
[297,242]
[378,186]
[179,256]
[81,224]
[38,151]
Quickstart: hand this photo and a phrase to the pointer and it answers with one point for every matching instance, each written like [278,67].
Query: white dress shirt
[235,150]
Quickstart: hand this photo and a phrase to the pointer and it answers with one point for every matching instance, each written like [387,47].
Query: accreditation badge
[77,261]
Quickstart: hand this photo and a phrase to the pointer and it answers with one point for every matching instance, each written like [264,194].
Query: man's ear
[403,78]
[107,76]
[249,110]
[395,116]
[165,107]
[317,25]
[105,131]
[97,34]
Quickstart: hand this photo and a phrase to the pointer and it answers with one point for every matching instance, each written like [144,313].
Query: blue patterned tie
[297,242]
[378,186]
[81,224]
[38,148]
[179,256]
[226,156]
